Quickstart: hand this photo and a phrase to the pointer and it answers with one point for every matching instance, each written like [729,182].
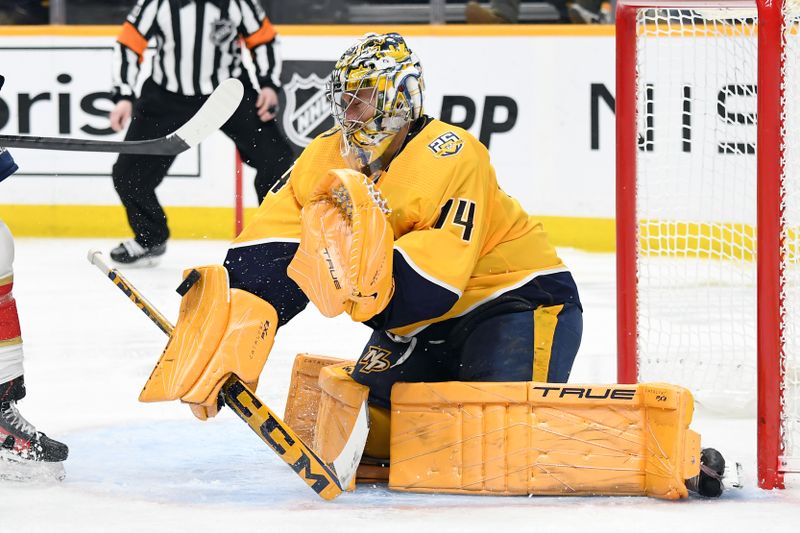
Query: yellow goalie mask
[375,92]
[344,262]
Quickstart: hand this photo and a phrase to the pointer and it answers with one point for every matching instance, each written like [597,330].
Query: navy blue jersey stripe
[261,269]
[415,298]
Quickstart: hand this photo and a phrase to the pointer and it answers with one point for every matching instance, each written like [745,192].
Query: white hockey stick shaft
[216,110]
[96,258]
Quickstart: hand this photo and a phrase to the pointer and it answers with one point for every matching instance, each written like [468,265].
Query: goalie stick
[326,479]
[216,110]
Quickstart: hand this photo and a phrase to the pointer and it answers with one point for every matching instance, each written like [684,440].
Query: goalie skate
[715,475]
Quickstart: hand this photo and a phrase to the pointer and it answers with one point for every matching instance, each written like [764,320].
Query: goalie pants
[508,340]
[159,112]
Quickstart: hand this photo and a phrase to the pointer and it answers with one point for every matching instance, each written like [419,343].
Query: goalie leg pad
[302,402]
[302,409]
[340,403]
[543,439]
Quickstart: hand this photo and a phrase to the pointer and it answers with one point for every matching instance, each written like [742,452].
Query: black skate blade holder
[187,283]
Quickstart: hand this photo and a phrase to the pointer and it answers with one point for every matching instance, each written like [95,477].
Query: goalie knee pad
[543,439]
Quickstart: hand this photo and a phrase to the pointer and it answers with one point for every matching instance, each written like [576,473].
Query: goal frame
[769,153]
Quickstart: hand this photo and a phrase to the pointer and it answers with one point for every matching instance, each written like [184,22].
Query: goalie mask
[375,91]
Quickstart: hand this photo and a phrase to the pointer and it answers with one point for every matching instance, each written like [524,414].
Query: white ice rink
[152,467]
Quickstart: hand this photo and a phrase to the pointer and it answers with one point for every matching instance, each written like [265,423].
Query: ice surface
[153,467]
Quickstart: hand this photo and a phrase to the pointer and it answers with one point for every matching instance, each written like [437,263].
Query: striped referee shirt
[197,45]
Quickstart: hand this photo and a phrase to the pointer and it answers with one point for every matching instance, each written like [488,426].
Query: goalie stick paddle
[327,480]
[216,110]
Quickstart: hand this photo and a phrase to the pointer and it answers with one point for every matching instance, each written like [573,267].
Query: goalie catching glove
[220,331]
[344,262]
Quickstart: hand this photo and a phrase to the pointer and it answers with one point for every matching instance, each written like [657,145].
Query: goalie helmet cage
[708,209]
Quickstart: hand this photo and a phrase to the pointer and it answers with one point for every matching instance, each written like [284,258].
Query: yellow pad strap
[302,401]
[344,262]
[202,321]
[339,406]
[543,439]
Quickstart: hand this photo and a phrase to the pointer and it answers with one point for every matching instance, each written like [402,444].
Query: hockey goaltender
[397,219]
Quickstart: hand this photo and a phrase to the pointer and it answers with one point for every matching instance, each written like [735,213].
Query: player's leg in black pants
[155,114]
[538,345]
[509,339]
[387,359]
[261,144]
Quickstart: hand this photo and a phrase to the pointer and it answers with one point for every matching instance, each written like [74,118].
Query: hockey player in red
[24,451]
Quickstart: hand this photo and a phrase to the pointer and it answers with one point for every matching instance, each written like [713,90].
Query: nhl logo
[307,112]
[223,31]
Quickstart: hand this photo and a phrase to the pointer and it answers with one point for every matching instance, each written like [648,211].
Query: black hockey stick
[326,479]
[216,110]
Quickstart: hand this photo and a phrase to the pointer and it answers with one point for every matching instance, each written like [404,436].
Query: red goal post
[708,214]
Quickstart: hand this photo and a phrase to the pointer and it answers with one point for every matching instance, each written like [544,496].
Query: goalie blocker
[514,438]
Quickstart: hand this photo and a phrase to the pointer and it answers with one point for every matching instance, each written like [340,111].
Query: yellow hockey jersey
[460,241]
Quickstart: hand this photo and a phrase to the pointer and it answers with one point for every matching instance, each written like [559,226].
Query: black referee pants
[159,112]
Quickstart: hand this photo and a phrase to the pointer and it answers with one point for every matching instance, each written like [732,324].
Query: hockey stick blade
[216,110]
[326,479]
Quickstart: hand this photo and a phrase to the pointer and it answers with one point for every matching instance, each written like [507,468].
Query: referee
[197,47]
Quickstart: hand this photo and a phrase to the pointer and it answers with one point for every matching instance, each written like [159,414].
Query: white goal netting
[790,311]
[696,203]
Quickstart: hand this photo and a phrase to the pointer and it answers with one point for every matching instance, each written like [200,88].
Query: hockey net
[708,278]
